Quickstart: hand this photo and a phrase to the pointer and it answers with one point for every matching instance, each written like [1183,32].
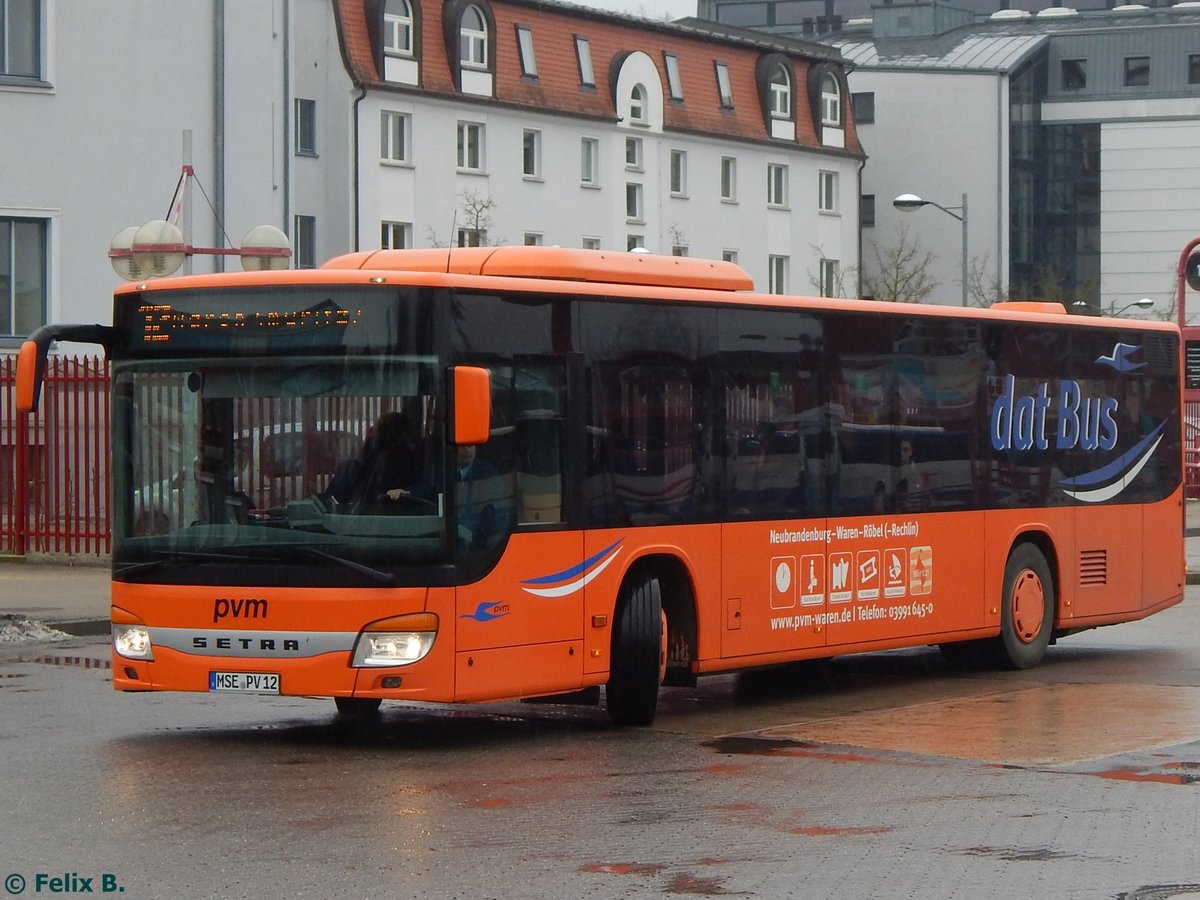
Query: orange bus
[499,473]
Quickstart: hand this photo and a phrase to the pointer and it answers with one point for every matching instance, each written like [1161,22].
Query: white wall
[938,135]
[1150,209]
[564,212]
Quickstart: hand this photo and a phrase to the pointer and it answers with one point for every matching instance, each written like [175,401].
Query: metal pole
[964,250]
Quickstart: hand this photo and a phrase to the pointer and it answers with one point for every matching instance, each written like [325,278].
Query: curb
[83,627]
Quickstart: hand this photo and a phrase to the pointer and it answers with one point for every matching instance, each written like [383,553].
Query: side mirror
[31,366]
[471,404]
[1192,273]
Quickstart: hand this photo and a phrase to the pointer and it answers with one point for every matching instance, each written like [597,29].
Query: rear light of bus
[398,641]
[131,637]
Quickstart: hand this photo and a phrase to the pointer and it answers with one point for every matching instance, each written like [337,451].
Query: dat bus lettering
[1019,421]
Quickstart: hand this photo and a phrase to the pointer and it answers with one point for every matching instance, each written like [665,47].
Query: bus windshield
[321,460]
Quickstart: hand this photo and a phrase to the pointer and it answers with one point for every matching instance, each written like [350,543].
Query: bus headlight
[398,641]
[132,641]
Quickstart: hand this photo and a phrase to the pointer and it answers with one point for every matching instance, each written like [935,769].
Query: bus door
[775,587]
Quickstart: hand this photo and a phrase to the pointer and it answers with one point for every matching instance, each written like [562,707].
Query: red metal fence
[54,465]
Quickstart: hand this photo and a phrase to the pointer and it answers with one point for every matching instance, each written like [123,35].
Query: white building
[354,124]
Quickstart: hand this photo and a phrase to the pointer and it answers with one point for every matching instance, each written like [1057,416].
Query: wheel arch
[1042,540]
[678,590]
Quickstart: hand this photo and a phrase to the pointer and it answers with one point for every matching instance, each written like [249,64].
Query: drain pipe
[219,236]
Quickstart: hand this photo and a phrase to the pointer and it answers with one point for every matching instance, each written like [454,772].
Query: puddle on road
[1037,726]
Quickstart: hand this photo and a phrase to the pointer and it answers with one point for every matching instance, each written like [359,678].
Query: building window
[533,239]
[777,183]
[1194,68]
[633,202]
[397,28]
[635,241]
[583,55]
[23,267]
[470,146]
[531,153]
[306,127]
[829,277]
[728,179]
[471,237]
[730,256]
[20,38]
[395,235]
[780,90]
[394,136]
[777,274]
[1137,71]
[674,83]
[1074,74]
[589,162]
[679,250]
[827,200]
[831,102]
[724,90]
[637,105]
[473,38]
[678,173]
[590,243]
[304,241]
[866,210]
[525,48]
[863,105]
[633,154]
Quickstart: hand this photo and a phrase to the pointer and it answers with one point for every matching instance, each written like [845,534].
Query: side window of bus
[540,403]
[768,443]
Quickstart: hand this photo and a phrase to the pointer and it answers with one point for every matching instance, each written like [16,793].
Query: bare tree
[983,287]
[472,222]
[902,271]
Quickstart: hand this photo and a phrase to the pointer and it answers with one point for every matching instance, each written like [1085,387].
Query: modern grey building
[1074,134]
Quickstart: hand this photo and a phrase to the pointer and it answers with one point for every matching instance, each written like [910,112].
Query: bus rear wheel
[1027,609]
[637,654]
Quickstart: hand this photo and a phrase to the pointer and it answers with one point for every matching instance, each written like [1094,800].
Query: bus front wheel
[1027,609]
[632,691]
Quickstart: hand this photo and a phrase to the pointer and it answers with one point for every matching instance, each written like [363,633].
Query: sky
[646,9]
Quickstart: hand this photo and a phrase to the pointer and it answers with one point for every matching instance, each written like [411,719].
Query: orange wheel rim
[1028,606]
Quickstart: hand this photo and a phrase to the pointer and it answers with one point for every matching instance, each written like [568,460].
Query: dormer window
[831,101]
[781,94]
[397,28]
[826,87]
[637,105]
[473,35]
[469,30]
[777,96]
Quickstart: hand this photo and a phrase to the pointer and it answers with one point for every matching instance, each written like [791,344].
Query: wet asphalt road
[880,776]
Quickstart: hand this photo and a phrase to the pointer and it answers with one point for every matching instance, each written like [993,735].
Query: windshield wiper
[166,556]
[376,575]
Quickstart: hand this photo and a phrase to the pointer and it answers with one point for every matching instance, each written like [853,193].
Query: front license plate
[244,682]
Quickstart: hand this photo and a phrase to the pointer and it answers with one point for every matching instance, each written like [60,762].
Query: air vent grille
[1093,567]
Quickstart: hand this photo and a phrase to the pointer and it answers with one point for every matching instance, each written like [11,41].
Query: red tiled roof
[557,87]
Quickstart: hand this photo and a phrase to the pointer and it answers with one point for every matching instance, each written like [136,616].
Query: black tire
[1026,609]
[357,707]
[632,691]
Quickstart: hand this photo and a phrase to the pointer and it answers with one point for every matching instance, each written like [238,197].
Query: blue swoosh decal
[566,574]
[1124,470]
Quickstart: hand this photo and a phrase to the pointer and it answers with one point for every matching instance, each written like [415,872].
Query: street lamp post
[911,203]
[1144,303]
